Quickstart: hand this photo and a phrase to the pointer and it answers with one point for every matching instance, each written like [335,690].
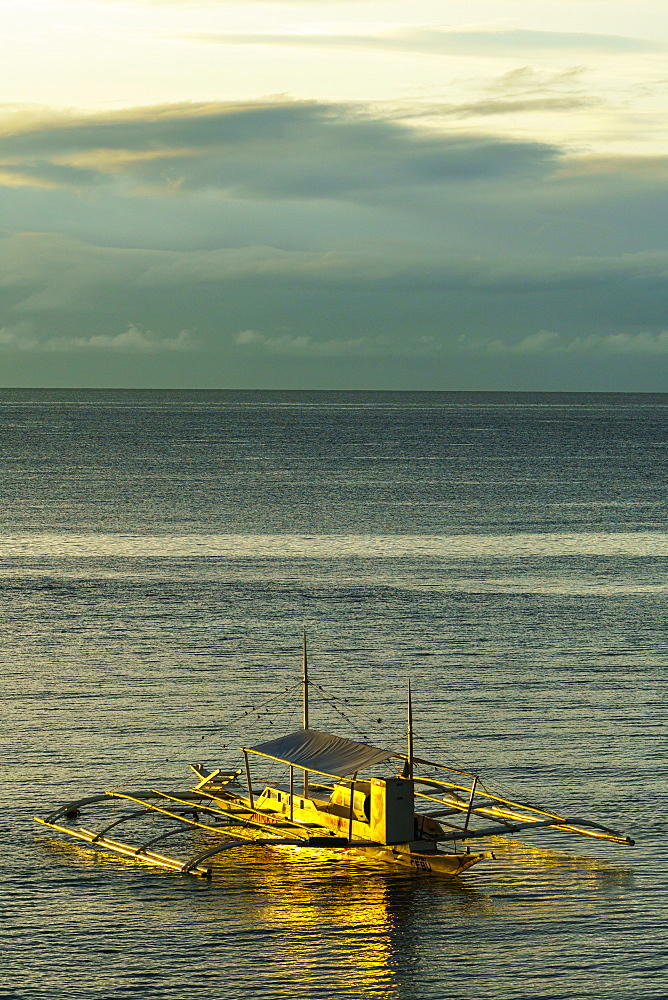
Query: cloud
[304,345]
[47,272]
[379,314]
[18,338]
[443,41]
[217,3]
[328,243]
[487,107]
[543,344]
[621,344]
[282,149]
[548,343]
[649,168]
[525,80]
[133,340]
[304,152]
[520,91]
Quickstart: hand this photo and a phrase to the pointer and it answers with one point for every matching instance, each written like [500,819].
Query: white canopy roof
[323,753]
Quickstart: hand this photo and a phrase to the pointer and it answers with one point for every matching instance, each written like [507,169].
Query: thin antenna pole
[409,732]
[468,811]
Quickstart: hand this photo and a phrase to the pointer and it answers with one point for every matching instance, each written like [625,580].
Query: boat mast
[304,703]
[409,733]
[304,686]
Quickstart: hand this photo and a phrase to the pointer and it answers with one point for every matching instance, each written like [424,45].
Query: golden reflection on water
[538,860]
[314,902]
[283,875]
[351,921]
[537,880]
[367,927]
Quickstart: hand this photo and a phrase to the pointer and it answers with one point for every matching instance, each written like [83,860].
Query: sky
[348,194]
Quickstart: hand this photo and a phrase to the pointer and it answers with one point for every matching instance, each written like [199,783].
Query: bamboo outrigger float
[407,820]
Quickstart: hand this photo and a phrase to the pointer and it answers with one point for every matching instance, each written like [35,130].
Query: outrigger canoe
[422,817]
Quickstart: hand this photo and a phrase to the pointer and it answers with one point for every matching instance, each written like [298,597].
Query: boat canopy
[322,753]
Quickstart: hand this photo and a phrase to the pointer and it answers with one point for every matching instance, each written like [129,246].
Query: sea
[162,554]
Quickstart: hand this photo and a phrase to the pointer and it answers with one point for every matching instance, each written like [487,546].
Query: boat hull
[430,862]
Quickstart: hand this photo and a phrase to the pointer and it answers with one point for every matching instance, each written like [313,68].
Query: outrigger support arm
[71,807]
[566,825]
[312,842]
[220,848]
[163,836]
[512,816]
[123,819]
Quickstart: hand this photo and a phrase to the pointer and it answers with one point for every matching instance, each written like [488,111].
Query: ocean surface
[160,555]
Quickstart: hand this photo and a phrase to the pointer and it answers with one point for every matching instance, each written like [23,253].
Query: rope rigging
[285,705]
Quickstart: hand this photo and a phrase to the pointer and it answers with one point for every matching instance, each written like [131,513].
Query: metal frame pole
[292,793]
[248,780]
[352,806]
